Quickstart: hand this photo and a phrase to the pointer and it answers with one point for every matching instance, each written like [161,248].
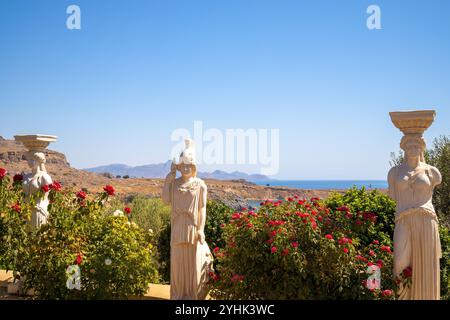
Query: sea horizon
[324,184]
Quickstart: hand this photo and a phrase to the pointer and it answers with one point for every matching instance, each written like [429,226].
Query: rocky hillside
[234,192]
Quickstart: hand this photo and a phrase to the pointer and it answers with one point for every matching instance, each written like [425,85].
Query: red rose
[249,225]
[3,173]
[345,250]
[46,188]
[18,178]
[407,273]
[285,252]
[79,259]
[127,210]
[273,249]
[56,186]
[236,216]
[16,207]
[81,195]
[386,249]
[343,209]
[290,199]
[109,190]
[348,215]
[376,242]
[329,236]
[386,293]
[294,244]
[380,264]
[216,249]
[371,253]
[361,258]
[237,278]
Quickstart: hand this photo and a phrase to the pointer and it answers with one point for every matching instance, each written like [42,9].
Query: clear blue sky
[115,90]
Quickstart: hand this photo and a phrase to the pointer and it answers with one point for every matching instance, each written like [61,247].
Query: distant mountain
[162,169]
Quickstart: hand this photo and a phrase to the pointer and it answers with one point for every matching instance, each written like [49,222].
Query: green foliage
[217,215]
[150,214]
[439,157]
[299,250]
[444,234]
[116,258]
[360,201]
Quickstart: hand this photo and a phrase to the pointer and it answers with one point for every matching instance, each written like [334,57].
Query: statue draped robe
[190,261]
[416,235]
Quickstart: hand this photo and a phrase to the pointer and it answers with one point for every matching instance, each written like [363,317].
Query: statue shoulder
[393,172]
[46,179]
[435,174]
[202,184]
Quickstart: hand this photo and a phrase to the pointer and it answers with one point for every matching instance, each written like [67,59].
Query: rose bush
[302,249]
[357,205]
[116,258]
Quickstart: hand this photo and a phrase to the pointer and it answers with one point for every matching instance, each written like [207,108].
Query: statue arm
[391,183]
[166,195]
[202,214]
[437,177]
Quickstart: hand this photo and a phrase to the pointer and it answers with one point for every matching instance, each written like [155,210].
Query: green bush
[299,249]
[217,215]
[360,202]
[444,234]
[116,258]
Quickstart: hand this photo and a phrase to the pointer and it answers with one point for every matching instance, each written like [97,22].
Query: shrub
[116,258]
[444,233]
[361,202]
[299,249]
[217,215]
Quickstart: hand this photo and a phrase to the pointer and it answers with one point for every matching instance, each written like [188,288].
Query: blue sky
[115,90]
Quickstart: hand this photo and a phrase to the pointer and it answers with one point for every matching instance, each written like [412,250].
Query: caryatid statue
[39,177]
[416,235]
[190,257]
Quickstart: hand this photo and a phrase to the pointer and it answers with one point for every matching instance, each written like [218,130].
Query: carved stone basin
[410,122]
[37,142]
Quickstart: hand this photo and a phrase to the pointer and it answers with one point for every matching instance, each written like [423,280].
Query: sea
[325,184]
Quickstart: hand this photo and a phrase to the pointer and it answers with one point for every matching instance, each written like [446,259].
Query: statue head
[36,160]
[187,164]
[413,145]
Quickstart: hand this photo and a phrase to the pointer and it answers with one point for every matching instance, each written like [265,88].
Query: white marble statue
[416,234]
[190,257]
[39,177]
[34,182]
